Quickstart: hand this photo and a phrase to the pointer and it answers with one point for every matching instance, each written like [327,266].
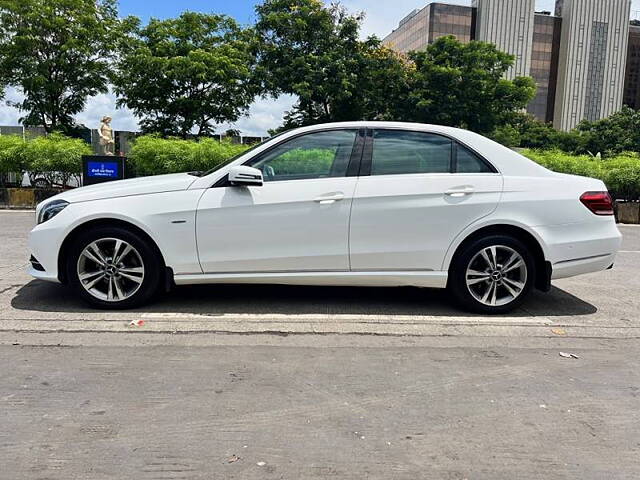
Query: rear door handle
[330,198]
[459,191]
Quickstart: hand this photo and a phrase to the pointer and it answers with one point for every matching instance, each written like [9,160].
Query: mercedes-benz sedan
[363,204]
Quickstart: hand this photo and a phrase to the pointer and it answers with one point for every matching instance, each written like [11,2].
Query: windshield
[235,157]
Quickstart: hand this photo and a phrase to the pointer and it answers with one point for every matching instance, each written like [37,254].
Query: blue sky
[381,17]
[242,11]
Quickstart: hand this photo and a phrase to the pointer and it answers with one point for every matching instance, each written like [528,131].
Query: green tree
[58,53]
[618,133]
[183,75]
[313,51]
[462,85]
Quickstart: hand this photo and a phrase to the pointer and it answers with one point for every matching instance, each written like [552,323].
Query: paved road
[317,413]
[291,383]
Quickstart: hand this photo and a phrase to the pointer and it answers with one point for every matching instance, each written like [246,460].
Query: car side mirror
[245,176]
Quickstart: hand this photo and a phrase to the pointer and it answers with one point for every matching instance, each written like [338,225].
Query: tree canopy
[58,53]
[462,85]
[313,51]
[187,74]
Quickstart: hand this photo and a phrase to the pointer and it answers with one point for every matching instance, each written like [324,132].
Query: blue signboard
[103,170]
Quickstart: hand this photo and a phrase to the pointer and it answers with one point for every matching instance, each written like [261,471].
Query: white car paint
[297,225]
[370,230]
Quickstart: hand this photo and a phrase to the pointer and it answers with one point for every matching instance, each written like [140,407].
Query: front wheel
[113,268]
[492,274]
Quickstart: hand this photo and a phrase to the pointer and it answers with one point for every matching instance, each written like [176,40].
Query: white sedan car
[365,204]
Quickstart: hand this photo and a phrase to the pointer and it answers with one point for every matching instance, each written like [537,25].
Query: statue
[106,136]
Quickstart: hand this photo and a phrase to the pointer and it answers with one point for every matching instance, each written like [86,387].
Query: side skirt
[428,279]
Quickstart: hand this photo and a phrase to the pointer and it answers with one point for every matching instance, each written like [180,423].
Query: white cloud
[96,108]
[105,104]
[10,115]
[264,115]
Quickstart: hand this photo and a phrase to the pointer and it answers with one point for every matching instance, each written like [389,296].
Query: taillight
[599,203]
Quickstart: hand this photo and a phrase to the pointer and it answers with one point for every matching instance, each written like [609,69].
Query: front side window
[315,155]
[398,152]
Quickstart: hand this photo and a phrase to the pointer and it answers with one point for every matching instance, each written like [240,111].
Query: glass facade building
[632,77]
[578,58]
[455,20]
[544,62]
[422,27]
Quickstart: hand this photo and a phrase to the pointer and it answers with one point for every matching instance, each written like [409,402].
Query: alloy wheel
[496,275]
[110,269]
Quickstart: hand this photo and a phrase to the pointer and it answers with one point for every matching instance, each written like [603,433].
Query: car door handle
[459,192]
[331,198]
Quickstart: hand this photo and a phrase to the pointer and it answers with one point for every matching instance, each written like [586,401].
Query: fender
[483,223]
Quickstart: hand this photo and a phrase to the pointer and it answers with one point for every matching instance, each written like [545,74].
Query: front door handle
[330,198]
[459,191]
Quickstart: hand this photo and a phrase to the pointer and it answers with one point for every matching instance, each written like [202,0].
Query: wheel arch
[95,223]
[542,266]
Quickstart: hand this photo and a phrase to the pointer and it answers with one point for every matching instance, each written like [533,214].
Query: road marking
[345,318]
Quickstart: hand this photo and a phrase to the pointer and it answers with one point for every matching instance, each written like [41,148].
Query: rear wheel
[492,274]
[113,268]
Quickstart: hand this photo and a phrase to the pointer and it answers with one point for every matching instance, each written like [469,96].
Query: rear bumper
[581,266]
[580,248]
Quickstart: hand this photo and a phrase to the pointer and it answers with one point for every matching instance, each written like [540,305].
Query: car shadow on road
[299,300]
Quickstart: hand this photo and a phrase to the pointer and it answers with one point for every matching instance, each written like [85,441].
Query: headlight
[50,210]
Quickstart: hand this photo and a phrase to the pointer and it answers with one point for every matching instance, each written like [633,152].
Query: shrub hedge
[621,173]
[55,157]
[152,155]
[11,156]
[58,158]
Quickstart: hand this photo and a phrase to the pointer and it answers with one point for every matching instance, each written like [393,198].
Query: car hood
[125,188]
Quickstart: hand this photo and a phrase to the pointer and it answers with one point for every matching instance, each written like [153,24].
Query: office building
[509,26]
[632,77]
[577,57]
[544,65]
[593,56]
[424,26]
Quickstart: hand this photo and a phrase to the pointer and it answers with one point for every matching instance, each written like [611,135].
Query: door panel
[412,203]
[280,226]
[407,222]
[297,221]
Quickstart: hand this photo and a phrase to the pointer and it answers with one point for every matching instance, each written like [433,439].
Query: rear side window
[469,162]
[397,152]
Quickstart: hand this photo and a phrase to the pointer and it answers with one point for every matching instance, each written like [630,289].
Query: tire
[108,282]
[512,276]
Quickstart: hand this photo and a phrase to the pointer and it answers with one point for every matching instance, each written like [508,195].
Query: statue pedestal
[102,168]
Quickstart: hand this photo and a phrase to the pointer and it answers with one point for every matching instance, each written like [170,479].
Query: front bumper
[45,241]
[40,275]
